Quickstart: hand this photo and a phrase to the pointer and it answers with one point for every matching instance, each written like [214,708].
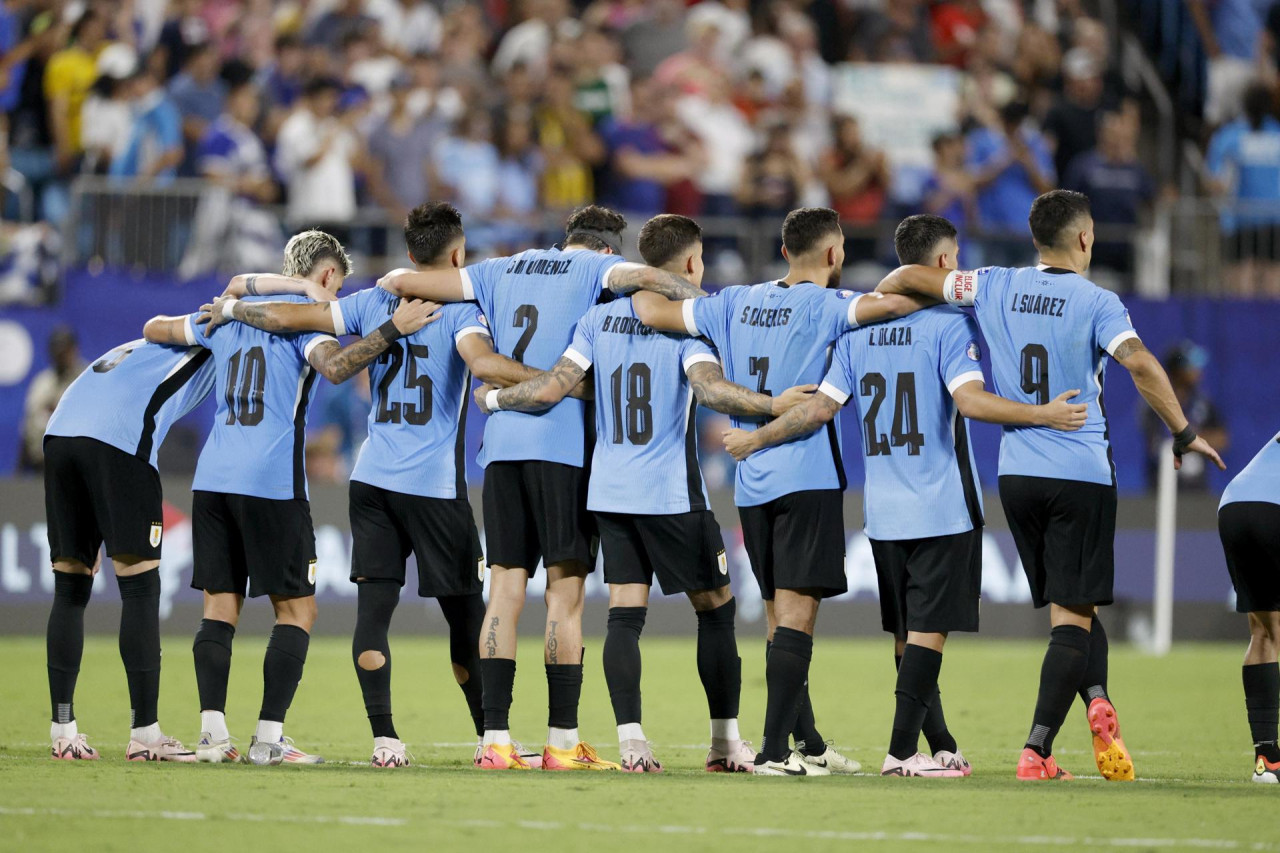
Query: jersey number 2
[905,428]
[526,318]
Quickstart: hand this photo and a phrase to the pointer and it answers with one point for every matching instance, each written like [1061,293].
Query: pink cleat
[637,757]
[953,761]
[389,752]
[72,749]
[165,749]
[739,757]
[919,765]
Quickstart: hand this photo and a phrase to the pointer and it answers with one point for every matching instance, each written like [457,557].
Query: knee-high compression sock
[935,729]
[64,641]
[371,653]
[809,740]
[465,615]
[917,687]
[497,677]
[622,662]
[564,691]
[785,675]
[212,652]
[1094,683]
[1262,701]
[719,666]
[140,643]
[1064,665]
[282,670]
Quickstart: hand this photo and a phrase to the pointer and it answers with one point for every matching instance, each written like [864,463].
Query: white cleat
[953,761]
[793,765]
[1265,772]
[829,760]
[165,749]
[919,765]
[72,749]
[281,752]
[389,752]
[637,757]
[739,757]
[210,751]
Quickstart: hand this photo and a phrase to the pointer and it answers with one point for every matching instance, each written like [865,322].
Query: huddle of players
[914,379]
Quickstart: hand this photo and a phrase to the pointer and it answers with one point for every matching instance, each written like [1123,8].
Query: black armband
[390,332]
[1182,440]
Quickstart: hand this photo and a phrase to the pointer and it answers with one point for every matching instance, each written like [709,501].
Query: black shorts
[96,493]
[685,551]
[797,542]
[537,511]
[1065,531]
[1250,532]
[929,585]
[264,545]
[1261,242]
[386,527]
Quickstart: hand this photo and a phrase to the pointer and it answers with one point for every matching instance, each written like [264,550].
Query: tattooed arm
[338,363]
[801,420]
[629,277]
[536,394]
[271,284]
[276,317]
[716,392]
[1153,384]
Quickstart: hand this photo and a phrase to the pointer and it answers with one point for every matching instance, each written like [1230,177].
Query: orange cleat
[1033,768]
[1114,762]
[581,757]
[502,756]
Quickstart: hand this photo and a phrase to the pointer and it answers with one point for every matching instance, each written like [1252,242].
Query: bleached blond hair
[306,249]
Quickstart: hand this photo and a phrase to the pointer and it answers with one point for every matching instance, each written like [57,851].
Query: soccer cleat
[919,765]
[738,759]
[533,759]
[165,749]
[1114,762]
[281,752]
[502,756]
[210,751]
[829,760]
[793,765]
[637,757]
[389,752]
[72,749]
[1266,772]
[953,761]
[581,757]
[1033,768]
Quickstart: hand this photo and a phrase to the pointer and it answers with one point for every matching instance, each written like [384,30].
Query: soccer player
[913,383]
[102,485]
[1249,523]
[408,490]
[250,517]
[535,505]
[1050,329]
[772,336]
[646,489]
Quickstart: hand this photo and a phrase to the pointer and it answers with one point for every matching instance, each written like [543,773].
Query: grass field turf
[1182,715]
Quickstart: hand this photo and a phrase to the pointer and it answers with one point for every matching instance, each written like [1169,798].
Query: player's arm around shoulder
[438,285]
[539,393]
[273,284]
[713,391]
[976,403]
[175,331]
[628,278]
[814,413]
[338,363]
[275,317]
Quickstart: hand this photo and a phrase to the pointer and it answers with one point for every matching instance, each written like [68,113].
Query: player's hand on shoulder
[217,313]
[481,392]
[387,282]
[317,292]
[1205,449]
[739,443]
[413,314]
[1061,414]
[791,398]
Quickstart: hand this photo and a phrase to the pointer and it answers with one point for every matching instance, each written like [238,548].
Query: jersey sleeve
[197,334]
[839,310]
[1111,323]
[605,265]
[694,351]
[959,353]
[470,321]
[968,287]
[708,316]
[839,384]
[581,349]
[478,281]
[349,314]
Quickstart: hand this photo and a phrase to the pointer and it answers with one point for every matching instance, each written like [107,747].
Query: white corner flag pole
[1166,532]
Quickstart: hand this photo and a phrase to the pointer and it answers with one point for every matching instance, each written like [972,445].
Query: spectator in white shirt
[317,152]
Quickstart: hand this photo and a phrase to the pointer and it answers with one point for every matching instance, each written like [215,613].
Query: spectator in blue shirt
[154,149]
[949,190]
[641,163]
[1011,166]
[198,94]
[1230,31]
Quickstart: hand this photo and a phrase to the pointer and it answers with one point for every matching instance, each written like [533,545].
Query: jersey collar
[1054,270]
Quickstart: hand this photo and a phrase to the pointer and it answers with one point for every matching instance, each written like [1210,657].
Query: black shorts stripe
[300,436]
[460,440]
[692,470]
[1106,422]
[833,438]
[161,395]
[967,481]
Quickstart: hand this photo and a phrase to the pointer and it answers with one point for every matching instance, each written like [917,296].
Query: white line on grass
[354,820]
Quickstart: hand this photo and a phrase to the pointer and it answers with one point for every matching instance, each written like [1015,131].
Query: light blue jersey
[921,479]
[131,395]
[264,385]
[534,301]
[1260,479]
[420,385]
[770,337]
[646,456]
[1049,331]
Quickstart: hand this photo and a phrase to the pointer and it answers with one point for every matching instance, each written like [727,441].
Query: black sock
[465,615]
[917,686]
[64,641]
[785,675]
[375,604]
[1064,666]
[935,729]
[719,666]
[497,677]
[1262,701]
[140,642]
[282,670]
[564,690]
[809,740]
[622,662]
[1094,684]
[212,651]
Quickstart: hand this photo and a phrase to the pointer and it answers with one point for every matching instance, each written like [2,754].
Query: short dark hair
[1258,103]
[430,229]
[1053,212]
[594,218]
[321,84]
[666,236]
[916,236]
[804,228]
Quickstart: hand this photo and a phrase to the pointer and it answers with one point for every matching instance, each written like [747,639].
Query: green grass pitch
[1183,719]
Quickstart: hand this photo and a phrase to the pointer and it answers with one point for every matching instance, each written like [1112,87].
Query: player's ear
[456,257]
[412,259]
[786,256]
[688,265]
[942,261]
[831,256]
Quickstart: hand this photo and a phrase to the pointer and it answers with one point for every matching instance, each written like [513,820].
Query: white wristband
[228,308]
[491,401]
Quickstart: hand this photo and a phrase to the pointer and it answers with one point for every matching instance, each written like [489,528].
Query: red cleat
[1033,768]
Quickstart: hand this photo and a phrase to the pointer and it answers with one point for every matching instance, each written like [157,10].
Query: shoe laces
[587,752]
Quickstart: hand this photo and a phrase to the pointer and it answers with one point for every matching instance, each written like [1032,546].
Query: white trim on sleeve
[608,274]
[690,324]
[468,289]
[699,358]
[470,330]
[1127,334]
[315,342]
[833,392]
[853,311]
[339,320]
[189,331]
[960,287]
[577,358]
[964,379]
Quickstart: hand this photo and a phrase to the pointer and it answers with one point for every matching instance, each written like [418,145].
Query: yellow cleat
[1114,761]
[581,757]
[501,756]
